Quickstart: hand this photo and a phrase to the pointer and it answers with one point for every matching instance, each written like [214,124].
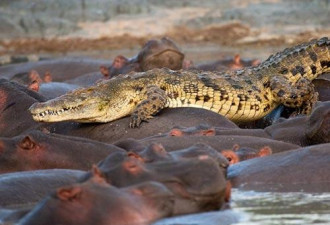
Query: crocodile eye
[27,143]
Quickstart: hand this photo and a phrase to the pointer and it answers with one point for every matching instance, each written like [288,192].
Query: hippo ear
[48,77]
[104,71]
[237,59]
[231,156]
[175,132]
[256,62]
[34,75]
[209,132]
[68,193]
[265,151]
[235,147]
[98,175]
[34,86]
[27,143]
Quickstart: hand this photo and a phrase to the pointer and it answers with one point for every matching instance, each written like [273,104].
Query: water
[266,208]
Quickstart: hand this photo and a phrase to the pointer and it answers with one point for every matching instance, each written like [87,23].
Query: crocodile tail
[308,60]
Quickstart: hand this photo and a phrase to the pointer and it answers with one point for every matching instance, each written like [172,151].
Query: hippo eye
[27,143]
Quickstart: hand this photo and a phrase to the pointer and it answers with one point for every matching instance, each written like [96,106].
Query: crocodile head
[104,102]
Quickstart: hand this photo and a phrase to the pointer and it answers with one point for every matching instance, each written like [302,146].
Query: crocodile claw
[135,121]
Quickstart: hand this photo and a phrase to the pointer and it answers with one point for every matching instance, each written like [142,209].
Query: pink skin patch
[2,146]
[3,105]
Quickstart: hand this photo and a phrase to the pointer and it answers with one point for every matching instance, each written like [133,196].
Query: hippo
[97,202]
[25,189]
[234,63]
[178,172]
[220,142]
[160,53]
[120,65]
[238,154]
[156,152]
[37,150]
[27,78]
[154,54]
[322,86]
[119,130]
[87,79]
[15,99]
[61,69]
[45,87]
[304,130]
[52,90]
[10,216]
[207,130]
[305,169]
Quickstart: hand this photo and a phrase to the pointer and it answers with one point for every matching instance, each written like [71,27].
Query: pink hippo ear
[256,62]
[27,143]
[34,76]
[231,156]
[68,193]
[48,77]
[209,132]
[175,132]
[104,71]
[237,59]
[235,147]
[265,151]
[34,86]
[98,175]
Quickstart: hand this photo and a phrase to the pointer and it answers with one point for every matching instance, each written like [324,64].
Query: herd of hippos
[183,162]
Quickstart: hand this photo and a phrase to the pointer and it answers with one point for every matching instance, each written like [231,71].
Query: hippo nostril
[27,143]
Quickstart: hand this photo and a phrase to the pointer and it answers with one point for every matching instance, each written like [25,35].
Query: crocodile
[244,95]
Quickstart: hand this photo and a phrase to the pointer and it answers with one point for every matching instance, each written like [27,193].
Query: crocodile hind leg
[154,102]
[300,95]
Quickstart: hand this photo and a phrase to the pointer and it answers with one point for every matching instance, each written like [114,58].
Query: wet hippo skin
[163,122]
[25,189]
[221,142]
[196,175]
[37,150]
[97,202]
[61,69]
[304,169]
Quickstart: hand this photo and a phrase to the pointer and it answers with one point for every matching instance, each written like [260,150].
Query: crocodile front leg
[300,95]
[154,102]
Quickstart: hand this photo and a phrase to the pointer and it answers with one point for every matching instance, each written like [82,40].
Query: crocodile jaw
[57,110]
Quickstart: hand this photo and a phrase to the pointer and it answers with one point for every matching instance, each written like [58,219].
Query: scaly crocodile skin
[245,95]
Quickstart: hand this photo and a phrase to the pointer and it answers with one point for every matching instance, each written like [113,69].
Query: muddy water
[261,208]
